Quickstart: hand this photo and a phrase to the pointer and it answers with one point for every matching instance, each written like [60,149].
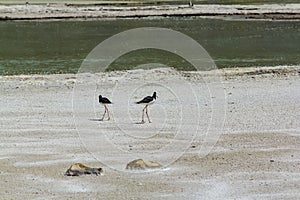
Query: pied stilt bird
[147,101]
[104,101]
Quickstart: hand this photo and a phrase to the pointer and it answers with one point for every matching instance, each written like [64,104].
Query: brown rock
[78,169]
[142,164]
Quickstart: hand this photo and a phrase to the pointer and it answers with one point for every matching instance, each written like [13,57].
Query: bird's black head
[154,95]
[100,97]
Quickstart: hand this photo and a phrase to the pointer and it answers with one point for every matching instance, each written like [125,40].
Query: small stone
[272,160]
[141,164]
[78,169]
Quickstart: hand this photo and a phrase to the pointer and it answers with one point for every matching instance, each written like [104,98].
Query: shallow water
[28,47]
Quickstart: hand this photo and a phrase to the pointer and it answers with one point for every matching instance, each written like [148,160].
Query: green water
[28,47]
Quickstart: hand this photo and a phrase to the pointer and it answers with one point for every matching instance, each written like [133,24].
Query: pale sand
[256,157]
[72,11]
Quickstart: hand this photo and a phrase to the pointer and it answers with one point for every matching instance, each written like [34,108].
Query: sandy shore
[69,11]
[256,156]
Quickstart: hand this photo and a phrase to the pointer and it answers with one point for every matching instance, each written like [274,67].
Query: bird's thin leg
[143,114]
[147,114]
[104,113]
[107,112]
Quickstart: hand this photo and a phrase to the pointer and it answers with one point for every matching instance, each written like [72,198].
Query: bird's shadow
[139,122]
[100,120]
[96,120]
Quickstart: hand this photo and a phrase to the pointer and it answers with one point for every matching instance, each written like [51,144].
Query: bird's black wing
[145,100]
[104,100]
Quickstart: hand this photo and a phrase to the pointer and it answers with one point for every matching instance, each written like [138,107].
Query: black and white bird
[147,101]
[104,101]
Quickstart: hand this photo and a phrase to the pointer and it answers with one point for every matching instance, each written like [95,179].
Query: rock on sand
[80,169]
[142,164]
